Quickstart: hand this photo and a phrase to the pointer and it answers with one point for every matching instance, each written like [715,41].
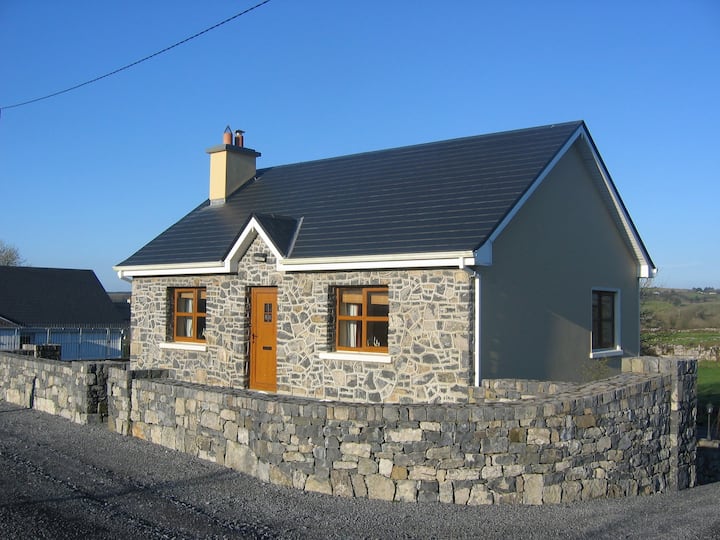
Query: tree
[9,255]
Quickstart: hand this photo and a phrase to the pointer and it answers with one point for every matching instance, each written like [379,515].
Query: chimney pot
[227,135]
[239,138]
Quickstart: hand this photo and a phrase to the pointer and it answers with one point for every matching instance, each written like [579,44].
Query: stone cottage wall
[428,340]
[611,438]
[430,325]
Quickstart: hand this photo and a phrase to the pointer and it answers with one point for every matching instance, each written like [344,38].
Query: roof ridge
[419,145]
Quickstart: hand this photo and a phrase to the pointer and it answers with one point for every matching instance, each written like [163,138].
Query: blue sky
[88,177]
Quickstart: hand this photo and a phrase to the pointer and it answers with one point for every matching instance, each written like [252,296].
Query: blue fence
[77,343]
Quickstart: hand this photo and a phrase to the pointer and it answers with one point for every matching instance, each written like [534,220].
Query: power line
[166,49]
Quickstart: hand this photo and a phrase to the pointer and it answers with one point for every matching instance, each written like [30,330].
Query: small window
[189,314]
[362,319]
[604,321]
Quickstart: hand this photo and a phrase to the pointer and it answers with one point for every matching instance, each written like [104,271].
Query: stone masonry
[74,390]
[628,435]
[430,321]
[529,442]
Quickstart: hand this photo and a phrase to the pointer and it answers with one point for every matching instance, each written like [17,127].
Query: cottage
[401,275]
[59,306]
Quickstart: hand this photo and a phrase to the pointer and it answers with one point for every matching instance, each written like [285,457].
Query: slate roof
[32,296]
[445,196]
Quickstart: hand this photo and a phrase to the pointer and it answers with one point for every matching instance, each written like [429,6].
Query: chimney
[231,165]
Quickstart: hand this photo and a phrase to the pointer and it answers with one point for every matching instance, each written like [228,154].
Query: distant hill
[680,309]
[681,321]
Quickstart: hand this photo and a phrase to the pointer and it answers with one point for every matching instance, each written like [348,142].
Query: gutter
[476,322]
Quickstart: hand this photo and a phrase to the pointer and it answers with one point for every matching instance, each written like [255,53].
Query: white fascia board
[226,266]
[408,260]
[646,269]
[217,267]
[241,245]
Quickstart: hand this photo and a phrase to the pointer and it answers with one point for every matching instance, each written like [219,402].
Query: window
[362,319]
[189,314]
[604,321]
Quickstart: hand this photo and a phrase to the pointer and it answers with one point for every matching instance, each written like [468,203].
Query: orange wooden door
[263,339]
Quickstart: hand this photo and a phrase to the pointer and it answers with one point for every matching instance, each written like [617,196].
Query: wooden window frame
[363,318]
[195,315]
[600,341]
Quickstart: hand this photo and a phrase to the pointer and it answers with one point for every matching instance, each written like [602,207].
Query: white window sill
[606,353]
[379,358]
[179,346]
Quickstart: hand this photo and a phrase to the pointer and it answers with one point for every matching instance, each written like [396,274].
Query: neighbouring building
[66,307]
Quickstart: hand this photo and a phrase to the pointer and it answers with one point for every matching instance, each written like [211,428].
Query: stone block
[406,491]
[341,483]
[594,488]
[355,449]
[380,487]
[552,494]
[421,472]
[533,489]
[241,458]
[404,435]
[538,436]
[359,486]
[479,494]
[280,477]
[318,484]
[366,466]
[399,473]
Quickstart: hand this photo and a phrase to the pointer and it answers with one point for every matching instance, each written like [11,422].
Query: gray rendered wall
[536,297]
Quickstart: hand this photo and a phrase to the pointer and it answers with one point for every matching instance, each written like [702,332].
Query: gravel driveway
[63,480]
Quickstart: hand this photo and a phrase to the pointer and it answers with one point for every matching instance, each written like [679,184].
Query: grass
[708,388]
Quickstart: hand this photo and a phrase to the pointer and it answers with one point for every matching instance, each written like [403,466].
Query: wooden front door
[263,338]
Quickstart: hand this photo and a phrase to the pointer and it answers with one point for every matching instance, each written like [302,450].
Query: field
[680,309]
[708,389]
[669,317]
[690,319]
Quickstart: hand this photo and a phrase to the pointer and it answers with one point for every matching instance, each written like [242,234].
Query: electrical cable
[128,66]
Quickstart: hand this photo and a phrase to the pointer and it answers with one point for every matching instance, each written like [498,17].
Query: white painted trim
[125,272]
[605,353]
[476,330]
[180,346]
[357,356]
[477,350]
[243,243]
[411,260]
[643,257]
[230,264]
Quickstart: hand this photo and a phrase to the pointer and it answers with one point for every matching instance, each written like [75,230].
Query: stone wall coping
[574,402]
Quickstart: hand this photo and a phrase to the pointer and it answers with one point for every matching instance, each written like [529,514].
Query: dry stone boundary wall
[74,390]
[523,442]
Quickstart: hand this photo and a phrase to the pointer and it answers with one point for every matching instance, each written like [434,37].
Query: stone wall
[74,390]
[430,321]
[631,434]
[628,435]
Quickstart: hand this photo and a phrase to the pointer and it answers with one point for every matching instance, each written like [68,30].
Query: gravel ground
[62,480]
